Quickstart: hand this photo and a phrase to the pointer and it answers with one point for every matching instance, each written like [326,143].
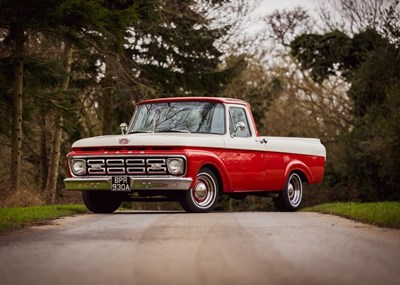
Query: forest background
[71,69]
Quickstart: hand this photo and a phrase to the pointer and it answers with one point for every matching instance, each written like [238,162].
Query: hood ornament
[123,141]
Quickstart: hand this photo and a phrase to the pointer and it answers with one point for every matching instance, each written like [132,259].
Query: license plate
[120,183]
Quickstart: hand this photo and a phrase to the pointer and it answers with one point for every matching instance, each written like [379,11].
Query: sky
[267,7]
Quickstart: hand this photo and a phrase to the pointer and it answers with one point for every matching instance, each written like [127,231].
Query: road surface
[216,248]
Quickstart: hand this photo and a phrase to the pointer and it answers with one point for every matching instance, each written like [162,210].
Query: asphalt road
[215,248]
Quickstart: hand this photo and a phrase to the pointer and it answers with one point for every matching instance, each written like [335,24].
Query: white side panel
[304,146]
[244,144]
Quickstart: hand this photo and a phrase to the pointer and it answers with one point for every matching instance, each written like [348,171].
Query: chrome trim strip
[88,183]
[115,162]
[134,162]
[137,183]
[115,170]
[172,183]
[136,170]
[100,171]
[155,160]
[94,160]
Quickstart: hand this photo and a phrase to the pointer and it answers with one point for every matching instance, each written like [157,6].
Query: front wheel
[203,196]
[290,198]
[101,202]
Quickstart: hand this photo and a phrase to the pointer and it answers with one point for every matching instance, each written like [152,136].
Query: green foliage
[177,54]
[172,53]
[369,150]
[335,52]
[15,218]
[377,70]
[25,13]
[324,54]
[385,214]
[44,31]
[372,146]
[364,60]
[123,51]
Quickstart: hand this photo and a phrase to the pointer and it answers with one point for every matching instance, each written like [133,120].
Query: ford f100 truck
[192,150]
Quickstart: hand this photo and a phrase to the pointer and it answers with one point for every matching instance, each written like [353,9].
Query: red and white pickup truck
[192,150]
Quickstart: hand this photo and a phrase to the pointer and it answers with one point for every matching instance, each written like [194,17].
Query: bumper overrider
[136,183]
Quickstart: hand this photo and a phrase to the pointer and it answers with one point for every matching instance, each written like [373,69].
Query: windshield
[193,117]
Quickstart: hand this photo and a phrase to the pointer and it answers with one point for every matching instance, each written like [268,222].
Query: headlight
[175,166]
[78,166]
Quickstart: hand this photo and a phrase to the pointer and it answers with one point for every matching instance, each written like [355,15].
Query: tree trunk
[16,143]
[44,167]
[52,177]
[51,185]
[106,112]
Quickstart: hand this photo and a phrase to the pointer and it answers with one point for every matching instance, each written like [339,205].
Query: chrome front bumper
[137,183]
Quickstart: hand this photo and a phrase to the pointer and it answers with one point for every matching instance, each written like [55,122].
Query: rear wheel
[290,198]
[101,201]
[204,195]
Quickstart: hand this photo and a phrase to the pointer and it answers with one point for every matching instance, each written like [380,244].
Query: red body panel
[239,170]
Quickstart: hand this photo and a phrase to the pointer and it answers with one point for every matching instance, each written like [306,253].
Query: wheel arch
[199,159]
[301,174]
[301,169]
[217,174]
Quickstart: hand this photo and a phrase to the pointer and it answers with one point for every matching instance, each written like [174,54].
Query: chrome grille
[127,166]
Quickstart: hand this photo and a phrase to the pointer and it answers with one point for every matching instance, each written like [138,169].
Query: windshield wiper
[172,131]
[139,132]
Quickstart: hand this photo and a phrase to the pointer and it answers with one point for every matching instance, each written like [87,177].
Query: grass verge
[16,218]
[384,214]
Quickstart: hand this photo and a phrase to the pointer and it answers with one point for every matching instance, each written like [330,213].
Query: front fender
[196,159]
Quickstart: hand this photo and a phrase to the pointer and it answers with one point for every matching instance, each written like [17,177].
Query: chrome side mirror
[240,126]
[124,128]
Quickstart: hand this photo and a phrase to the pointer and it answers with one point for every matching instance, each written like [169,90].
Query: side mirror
[240,126]
[124,128]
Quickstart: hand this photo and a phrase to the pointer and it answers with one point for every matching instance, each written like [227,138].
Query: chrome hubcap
[200,191]
[291,191]
[204,191]
[295,190]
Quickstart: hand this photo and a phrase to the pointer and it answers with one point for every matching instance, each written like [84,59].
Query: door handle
[262,141]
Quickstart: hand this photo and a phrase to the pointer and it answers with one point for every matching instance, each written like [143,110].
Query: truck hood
[153,139]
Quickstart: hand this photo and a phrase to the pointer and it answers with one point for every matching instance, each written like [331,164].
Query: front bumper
[137,183]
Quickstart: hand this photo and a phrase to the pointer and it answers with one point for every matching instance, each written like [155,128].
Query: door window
[238,115]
